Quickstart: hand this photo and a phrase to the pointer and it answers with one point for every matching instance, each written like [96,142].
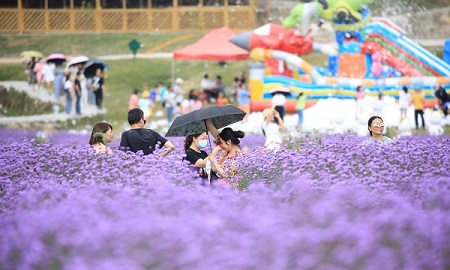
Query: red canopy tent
[213,46]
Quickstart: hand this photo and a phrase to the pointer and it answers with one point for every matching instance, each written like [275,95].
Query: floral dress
[231,175]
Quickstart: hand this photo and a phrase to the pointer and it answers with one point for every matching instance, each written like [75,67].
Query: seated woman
[375,126]
[272,129]
[228,145]
[102,134]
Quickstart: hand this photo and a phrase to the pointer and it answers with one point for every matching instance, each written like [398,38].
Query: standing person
[144,103]
[77,90]
[378,105]
[170,103]
[48,73]
[162,94]
[301,101]
[235,88]
[244,99]
[442,97]
[84,88]
[38,68]
[272,129]
[279,101]
[179,92]
[32,73]
[152,100]
[139,138]
[58,86]
[418,100]
[69,89]
[359,97]
[99,88]
[375,126]
[134,99]
[26,67]
[102,134]
[403,101]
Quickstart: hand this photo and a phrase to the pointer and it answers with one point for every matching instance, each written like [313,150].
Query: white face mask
[202,143]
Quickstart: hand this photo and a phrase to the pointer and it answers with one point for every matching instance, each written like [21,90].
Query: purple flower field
[326,203]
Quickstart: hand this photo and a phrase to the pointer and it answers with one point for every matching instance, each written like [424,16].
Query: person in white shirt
[170,103]
[404,98]
[271,129]
[70,92]
[179,92]
[378,105]
[48,72]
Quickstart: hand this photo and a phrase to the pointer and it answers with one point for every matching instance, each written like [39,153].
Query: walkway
[89,111]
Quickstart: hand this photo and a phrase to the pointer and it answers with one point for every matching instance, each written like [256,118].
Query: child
[152,100]
[221,99]
[144,103]
[196,103]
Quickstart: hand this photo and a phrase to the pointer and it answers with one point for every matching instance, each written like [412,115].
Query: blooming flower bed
[327,203]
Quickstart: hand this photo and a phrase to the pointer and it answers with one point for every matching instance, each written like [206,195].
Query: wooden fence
[96,20]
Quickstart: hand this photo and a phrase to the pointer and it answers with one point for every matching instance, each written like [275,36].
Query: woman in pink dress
[38,68]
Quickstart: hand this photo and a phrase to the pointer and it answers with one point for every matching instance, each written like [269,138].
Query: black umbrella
[194,122]
[92,66]
[281,90]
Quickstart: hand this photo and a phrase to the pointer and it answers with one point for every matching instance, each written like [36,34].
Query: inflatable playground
[372,52]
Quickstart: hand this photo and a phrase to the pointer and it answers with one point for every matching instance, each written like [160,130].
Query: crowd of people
[176,101]
[221,164]
[68,85]
[405,100]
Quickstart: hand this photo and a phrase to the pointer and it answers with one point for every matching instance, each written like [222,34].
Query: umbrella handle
[208,170]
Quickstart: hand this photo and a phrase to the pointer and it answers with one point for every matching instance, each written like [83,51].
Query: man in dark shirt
[139,138]
[442,97]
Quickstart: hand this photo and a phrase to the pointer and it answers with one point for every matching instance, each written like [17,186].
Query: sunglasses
[378,125]
[145,121]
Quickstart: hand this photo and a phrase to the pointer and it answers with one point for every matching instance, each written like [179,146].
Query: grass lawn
[125,75]
[92,45]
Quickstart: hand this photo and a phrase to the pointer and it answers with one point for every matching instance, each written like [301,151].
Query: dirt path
[43,95]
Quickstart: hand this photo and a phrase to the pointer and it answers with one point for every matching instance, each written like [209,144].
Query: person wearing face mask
[193,146]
